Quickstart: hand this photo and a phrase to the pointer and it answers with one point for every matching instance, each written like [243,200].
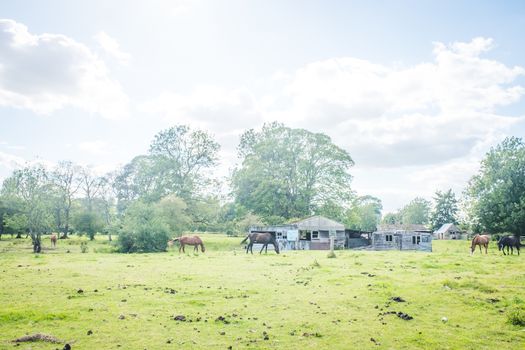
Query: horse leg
[180,247]
[262,248]
[266,249]
[251,248]
[511,250]
[486,248]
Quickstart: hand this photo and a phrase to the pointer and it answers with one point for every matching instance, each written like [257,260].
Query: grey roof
[447,227]
[402,227]
[319,222]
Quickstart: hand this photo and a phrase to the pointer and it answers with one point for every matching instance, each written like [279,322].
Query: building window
[416,239]
[389,238]
[315,235]
[279,235]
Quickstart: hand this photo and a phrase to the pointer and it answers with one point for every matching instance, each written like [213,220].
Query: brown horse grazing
[195,241]
[54,240]
[481,240]
[264,238]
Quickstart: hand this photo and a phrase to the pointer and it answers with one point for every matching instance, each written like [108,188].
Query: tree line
[283,174]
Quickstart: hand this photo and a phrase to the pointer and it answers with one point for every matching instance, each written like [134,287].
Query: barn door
[398,242]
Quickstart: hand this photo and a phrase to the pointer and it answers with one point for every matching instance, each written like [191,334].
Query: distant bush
[143,230]
[84,247]
[87,223]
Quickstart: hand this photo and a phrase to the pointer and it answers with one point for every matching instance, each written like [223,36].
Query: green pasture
[295,300]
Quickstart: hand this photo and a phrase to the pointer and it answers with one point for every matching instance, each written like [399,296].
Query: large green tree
[392,218]
[289,172]
[66,181]
[416,212]
[182,156]
[496,194]
[172,210]
[445,209]
[178,162]
[364,214]
[29,190]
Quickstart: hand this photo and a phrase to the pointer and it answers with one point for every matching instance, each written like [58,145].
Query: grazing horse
[481,240]
[509,241]
[265,238]
[53,240]
[195,241]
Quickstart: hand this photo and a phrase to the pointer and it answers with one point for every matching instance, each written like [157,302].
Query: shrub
[516,318]
[84,247]
[143,230]
[87,223]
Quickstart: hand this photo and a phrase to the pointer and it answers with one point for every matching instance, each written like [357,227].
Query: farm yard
[225,299]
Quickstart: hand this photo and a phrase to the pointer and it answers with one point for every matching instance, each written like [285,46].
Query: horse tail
[245,239]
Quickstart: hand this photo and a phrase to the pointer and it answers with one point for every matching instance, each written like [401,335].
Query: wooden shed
[402,240]
[311,233]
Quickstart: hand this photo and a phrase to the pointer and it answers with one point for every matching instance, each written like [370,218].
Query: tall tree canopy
[416,212]
[29,190]
[289,172]
[365,214]
[66,181]
[497,192]
[445,209]
[177,163]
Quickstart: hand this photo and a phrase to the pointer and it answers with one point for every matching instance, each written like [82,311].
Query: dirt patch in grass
[38,337]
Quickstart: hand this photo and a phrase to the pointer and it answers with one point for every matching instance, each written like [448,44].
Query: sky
[416,91]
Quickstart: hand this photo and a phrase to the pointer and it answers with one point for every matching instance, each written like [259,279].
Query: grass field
[298,299]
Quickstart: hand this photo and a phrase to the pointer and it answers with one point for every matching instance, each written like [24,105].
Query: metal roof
[319,222]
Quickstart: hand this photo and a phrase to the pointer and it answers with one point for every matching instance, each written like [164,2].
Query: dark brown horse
[264,238]
[509,241]
[480,240]
[195,241]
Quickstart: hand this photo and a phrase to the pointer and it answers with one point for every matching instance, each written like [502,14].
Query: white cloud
[47,72]
[390,117]
[226,113]
[411,130]
[111,47]
[208,107]
[96,147]
[11,161]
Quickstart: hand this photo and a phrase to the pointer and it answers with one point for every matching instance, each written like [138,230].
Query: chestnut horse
[195,241]
[54,240]
[265,238]
[480,240]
